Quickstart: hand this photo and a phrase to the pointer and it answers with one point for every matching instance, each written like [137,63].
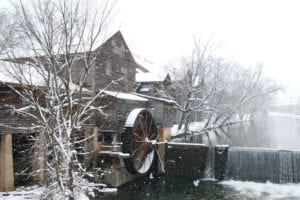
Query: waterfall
[285,167]
[250,164]
[215,162]
[210,164]
[296,166]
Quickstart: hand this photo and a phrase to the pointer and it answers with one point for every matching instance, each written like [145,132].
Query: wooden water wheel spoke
[146,124]
[140,148]
[139,153]
[150,127]
[159,159]
[136,135]
[142,157]
[141,125]
[154,137]
[138,141]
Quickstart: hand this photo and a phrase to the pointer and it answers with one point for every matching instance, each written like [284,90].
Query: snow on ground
[108,190]
[32,192]
[193,126]
[175,131]
[265,190]
[287,115]
[196,126]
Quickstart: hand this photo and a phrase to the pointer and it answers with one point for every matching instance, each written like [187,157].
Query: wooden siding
[9,121]
[113,62]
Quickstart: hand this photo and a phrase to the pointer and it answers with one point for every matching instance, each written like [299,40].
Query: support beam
[38,164]
[91,145]
[6,164]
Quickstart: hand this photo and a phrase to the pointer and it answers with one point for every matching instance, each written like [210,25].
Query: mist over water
[263,132]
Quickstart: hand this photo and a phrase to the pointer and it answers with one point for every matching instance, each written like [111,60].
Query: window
[124,71]
[108,68]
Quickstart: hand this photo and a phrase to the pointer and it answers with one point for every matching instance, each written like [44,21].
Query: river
[275,132]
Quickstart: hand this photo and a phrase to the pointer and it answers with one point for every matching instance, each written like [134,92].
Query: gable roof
[22,57]
[117,44]
[151,77]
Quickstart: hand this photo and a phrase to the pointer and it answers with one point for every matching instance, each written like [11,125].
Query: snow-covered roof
[157,99]
[12,73]
[148,71]
[138,70]
[150,77]
[27,75]
[125,96]
[144,64]
[74,49]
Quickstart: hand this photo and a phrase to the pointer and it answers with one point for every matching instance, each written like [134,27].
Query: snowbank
[32,192]
[196,126]
[175,131]
[265,190]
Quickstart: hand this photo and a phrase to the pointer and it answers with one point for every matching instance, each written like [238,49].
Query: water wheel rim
[143,135]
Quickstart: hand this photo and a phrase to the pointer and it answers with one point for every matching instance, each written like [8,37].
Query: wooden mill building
[114,61]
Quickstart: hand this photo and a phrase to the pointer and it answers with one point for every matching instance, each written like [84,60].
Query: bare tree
[7,32]
[212,88]
[191,77]
[58,39]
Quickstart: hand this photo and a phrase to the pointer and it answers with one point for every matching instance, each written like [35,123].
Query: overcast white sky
[251,31]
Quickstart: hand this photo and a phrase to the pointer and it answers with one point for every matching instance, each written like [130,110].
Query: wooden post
[38,164]
[6,164]
[164,134]
[95,143]
[161,150]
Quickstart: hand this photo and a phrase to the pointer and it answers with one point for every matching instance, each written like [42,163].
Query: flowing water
[273,157]
[210,165]
[170,188]
[261,165]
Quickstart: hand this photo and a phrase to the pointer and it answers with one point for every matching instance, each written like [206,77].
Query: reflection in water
[166,188]
[267,132]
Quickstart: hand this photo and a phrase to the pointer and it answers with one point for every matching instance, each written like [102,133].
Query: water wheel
[139,139]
